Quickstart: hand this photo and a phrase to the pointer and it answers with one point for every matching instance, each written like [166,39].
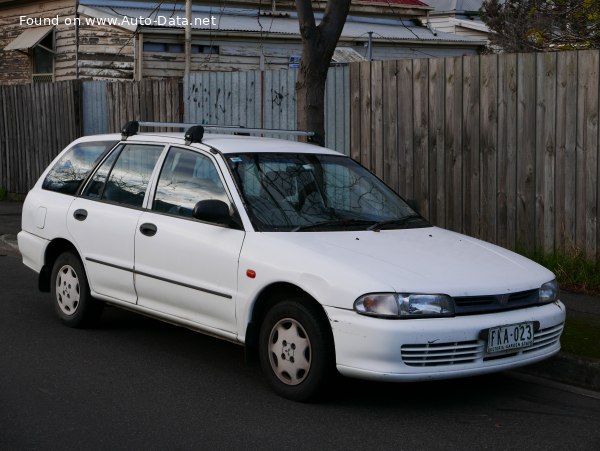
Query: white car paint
[335,268]
[106,236]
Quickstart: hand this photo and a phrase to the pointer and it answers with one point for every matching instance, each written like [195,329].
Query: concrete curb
[568,368]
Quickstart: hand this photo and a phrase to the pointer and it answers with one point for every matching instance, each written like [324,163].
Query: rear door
[184,267]
[103,220]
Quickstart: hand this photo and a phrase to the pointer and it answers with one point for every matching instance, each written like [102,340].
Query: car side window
[186,178]
[125,180]
[73,167]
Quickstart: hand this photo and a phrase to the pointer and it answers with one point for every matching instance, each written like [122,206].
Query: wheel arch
[53,250]
[267,298]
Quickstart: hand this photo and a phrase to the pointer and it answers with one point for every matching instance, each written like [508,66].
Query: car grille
[465,352]
[470,305]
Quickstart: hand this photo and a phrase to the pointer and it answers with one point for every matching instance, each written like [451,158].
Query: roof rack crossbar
[228,128]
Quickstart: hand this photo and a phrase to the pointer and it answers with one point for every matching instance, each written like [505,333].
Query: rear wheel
[296,349]
[73,302]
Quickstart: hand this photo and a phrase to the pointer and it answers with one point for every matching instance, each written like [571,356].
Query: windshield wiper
[330,222]
[398,221]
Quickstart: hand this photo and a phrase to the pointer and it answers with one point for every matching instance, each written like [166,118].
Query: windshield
[310,192]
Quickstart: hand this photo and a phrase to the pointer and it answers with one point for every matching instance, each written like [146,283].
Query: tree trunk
[318,45]
[310,96]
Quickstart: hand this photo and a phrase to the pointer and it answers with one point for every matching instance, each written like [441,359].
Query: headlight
[380,304]
[394,305]
[549,292]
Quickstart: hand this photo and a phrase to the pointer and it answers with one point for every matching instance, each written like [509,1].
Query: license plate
[512,336]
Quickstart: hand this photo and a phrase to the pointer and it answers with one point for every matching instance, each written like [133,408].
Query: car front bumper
[440,348]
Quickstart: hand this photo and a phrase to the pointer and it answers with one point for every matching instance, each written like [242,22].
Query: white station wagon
[292,250]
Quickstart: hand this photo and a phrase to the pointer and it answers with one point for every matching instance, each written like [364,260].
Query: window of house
[42,59]
[164,47]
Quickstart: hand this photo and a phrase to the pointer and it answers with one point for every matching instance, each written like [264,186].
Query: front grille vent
[471,305]
[441,354]
[468,352]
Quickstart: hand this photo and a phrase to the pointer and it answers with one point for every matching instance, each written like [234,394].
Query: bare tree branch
[541,25]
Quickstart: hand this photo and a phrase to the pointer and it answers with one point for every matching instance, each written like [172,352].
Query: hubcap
[289,351]
[67,290]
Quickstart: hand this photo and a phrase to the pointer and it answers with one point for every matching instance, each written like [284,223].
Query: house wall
[105,53]
[242,55]
[443,23]
[15,67]
[235,54]
[411,51]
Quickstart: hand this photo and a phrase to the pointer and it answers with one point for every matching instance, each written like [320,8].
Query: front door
[183,267]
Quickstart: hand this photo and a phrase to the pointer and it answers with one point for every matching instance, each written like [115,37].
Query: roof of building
[458,6]
[165,16]
[29,38]
[398,2]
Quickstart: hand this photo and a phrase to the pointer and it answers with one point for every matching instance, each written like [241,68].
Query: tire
[70,290]
[296,349]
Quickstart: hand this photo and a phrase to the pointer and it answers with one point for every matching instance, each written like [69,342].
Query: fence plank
[587,138]
[526,115]
[378,152]
[507,148]
[366,114]
[566,143]
[26,166]
[390,119]
[545,151]
[355,112]
[453,142]
[406,129]
[421,135]
[471,161]
[3,143]
[436,138]
[488,145]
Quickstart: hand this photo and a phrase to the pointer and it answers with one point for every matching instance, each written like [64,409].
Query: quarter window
[186,178]
[71,170]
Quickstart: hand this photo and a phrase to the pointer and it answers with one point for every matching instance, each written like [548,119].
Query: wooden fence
[502,147]
[108,106]
[36,122]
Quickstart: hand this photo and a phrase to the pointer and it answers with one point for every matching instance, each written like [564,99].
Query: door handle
[80,214]
[148,229]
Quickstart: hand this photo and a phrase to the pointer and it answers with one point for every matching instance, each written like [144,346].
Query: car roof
[226,144]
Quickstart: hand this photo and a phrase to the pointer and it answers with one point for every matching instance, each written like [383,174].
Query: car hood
[425,260]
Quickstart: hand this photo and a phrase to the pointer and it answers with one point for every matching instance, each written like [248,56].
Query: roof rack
[195,131]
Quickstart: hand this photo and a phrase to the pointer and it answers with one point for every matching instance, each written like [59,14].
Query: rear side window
[124,181]
[73,167]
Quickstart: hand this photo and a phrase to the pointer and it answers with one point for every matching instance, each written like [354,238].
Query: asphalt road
[135,383]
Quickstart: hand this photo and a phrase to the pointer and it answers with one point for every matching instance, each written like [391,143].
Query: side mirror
[212,210]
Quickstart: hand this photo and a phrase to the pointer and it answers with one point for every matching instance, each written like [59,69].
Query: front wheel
[296,349]
[73,302]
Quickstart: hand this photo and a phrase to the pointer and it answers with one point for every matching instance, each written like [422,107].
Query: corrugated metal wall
[95,107]
[265,99]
